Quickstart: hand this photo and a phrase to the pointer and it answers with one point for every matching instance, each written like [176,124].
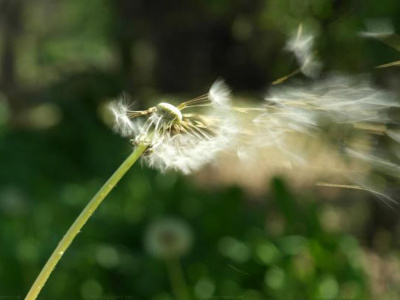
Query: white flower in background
[168,238]
[301,44]
[179,139]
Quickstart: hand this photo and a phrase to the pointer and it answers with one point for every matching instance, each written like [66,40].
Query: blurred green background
[62,60]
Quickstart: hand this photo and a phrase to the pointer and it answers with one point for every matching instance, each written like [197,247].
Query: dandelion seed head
[178,139]
[169,113]
[167,238]
[187,153]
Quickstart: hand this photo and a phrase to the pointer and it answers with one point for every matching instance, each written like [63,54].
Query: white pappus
[325,129]
[180,137]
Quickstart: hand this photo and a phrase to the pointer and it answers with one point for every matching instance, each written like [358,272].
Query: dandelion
[187,136]
[168,137]
[178,138]
[169,239]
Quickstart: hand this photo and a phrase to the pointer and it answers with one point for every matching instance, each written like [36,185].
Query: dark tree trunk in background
[10,22]
[124,35]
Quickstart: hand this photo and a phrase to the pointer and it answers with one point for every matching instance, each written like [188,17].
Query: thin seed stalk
[81,220]
[179,287]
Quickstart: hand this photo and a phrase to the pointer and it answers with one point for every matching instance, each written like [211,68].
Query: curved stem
[81,220]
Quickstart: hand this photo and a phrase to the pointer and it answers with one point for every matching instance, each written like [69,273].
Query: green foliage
[71,57]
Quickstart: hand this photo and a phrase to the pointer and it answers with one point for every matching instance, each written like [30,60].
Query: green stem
[177,279]
[81,220]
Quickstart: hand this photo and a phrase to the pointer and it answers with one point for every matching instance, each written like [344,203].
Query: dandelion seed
[220,94]
[351,105]
[327,129]
[123,124]
[301,44]
[177,139]
[339,99]
[383,30]
[378,28]
[395,135]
